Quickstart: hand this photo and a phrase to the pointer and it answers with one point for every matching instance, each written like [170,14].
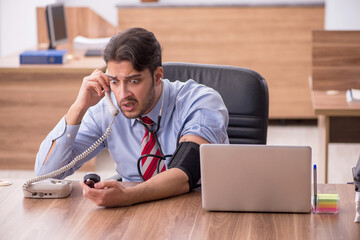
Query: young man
[191,114]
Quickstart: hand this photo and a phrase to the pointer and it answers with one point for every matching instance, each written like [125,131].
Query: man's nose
[124,92]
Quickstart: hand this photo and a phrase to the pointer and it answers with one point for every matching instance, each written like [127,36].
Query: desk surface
[175,218]
[333,104]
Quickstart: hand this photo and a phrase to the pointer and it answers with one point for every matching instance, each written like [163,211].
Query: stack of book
[353,95]
[43,57]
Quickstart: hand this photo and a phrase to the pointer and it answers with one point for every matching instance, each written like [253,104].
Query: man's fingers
[90,193]
[101,78]
[97,88]
[103,81]
[107,184]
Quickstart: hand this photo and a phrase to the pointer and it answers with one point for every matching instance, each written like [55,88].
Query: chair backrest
[244,92]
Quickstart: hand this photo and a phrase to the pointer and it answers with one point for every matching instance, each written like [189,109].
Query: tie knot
[147,121]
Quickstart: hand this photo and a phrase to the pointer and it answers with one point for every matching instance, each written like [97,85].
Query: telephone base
[49,188]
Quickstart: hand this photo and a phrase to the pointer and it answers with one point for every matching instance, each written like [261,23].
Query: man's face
[135,91]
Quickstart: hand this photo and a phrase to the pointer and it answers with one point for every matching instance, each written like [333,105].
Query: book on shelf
[50,56]
[353,95]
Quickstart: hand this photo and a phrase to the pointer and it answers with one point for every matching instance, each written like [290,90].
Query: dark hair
[136,45]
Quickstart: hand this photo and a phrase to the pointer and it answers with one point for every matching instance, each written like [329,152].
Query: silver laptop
[255,178]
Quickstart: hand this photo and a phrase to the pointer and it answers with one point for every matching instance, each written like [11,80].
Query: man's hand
[92,90]
[107,194]
[166,184]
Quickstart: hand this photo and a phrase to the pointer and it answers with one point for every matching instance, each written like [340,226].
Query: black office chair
[244,92]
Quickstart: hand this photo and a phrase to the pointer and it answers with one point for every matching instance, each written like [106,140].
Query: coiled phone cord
[74,161]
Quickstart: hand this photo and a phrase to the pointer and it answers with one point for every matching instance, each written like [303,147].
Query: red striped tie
[150,146]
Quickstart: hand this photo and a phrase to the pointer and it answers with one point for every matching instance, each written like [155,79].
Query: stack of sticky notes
[327,203]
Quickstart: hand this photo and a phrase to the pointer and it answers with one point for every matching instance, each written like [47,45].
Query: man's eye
[113,81]
[134,81]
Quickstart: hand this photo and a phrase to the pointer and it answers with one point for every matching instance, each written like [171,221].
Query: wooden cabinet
[274,41]
[33,99]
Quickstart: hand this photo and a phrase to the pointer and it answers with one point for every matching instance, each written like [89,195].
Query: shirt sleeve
[204,114]
[71,140]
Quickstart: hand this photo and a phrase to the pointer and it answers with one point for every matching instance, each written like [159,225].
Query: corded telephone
[43,187]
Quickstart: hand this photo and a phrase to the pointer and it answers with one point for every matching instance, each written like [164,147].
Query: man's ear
[158,75]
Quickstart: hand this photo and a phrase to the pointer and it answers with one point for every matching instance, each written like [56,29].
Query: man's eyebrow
[111,77]
[132,76]
[127,77]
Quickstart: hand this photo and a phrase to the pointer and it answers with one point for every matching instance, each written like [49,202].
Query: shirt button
[68,135]
[60,133]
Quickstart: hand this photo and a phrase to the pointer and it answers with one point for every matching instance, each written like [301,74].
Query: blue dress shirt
[188,108]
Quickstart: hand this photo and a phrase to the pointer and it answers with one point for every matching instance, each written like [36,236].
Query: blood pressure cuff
[187,158]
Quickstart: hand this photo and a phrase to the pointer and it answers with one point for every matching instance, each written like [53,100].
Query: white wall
[18,24]
[342,15]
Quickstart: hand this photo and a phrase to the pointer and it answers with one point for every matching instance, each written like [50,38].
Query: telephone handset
[113,110]
[43,187]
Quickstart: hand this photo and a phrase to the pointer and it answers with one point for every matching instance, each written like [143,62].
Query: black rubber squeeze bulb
[91,178]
